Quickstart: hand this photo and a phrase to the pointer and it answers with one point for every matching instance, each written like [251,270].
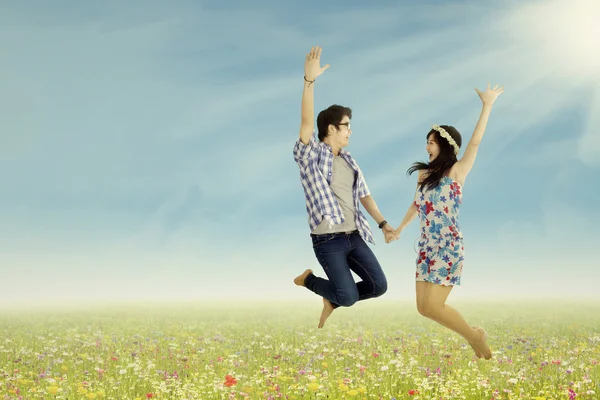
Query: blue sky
[146,147]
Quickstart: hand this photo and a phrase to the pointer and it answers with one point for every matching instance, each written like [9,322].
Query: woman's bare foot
[327,310]
[299,280]
[480,343]
[477,352]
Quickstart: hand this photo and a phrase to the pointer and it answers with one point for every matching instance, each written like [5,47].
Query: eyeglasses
[347,124]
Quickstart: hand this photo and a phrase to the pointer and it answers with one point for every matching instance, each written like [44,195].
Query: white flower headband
[447,136]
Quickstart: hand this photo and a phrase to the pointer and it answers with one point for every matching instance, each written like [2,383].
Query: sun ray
[562,35]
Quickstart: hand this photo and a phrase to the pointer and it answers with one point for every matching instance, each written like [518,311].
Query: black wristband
[310,82]
[382,224]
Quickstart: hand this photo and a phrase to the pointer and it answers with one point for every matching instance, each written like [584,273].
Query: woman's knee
[421,308]
[428,309]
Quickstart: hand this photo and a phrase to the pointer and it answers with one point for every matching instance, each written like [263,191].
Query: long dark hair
[439,167]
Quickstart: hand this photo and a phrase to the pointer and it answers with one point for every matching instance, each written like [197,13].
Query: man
[333,185]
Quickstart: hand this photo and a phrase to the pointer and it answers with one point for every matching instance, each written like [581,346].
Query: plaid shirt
[316,162]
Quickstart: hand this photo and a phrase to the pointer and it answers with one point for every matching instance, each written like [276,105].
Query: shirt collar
[328,147]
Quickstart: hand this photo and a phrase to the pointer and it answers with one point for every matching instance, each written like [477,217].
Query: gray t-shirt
[342,182]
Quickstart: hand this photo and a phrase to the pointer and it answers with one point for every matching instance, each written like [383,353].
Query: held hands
[390,233]
[312,66]
[490,95]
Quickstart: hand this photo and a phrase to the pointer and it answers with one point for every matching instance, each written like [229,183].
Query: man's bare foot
[477,352]
[480,343]
[299,280]
[327,310]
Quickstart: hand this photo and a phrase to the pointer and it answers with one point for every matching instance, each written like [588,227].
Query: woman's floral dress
[440,246]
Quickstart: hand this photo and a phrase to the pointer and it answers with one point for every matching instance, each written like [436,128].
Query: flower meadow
[373,350]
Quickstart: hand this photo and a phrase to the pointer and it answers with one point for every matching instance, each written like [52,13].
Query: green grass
[374,350]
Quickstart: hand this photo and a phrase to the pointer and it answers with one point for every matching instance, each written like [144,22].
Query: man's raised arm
[312,69]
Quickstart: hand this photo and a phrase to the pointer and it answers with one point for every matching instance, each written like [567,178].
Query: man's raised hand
[312,66]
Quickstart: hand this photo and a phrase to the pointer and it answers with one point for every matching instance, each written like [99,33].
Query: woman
[437,201]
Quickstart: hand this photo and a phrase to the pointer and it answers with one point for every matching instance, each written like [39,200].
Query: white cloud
[560,238]
[589,143]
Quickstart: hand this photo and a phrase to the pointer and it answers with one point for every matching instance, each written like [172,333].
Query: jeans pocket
[321,240]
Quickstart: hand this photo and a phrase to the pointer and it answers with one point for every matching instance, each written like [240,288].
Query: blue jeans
[338,254]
